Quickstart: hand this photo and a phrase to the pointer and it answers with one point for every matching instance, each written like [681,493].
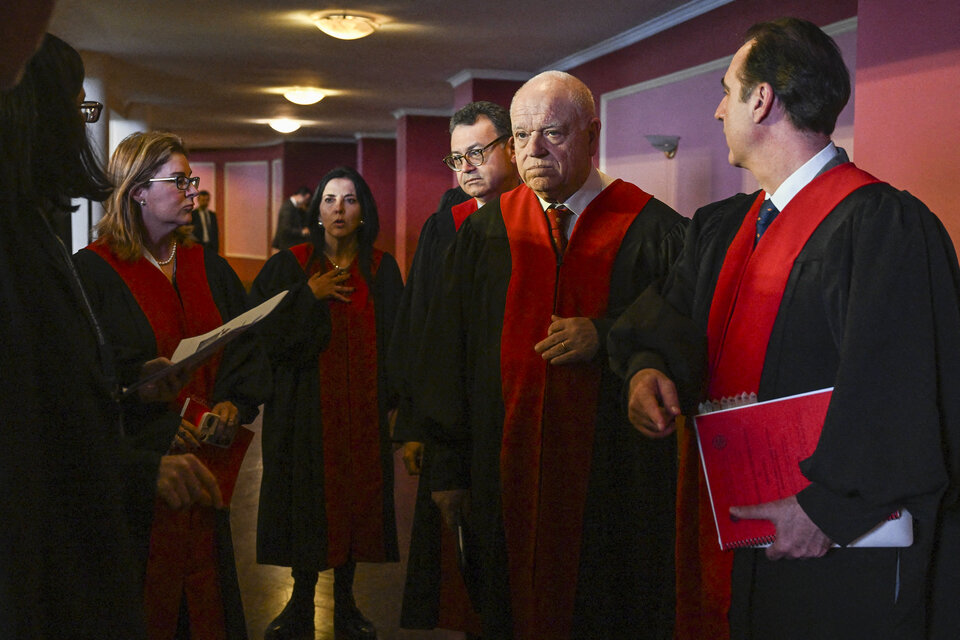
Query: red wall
[377,163]
[908,83]
[422,142]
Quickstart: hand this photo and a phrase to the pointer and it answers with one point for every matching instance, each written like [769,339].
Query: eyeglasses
[90,111]
[183,182]
[473,157]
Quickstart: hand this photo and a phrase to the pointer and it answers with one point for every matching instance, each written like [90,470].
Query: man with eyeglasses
[204,221]
[481,154]
[572,512]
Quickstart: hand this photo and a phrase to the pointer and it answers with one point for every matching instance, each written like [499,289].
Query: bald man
[569,507]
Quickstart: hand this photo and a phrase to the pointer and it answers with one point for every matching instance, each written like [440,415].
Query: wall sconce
[284,125]
[344,26]
[667,144]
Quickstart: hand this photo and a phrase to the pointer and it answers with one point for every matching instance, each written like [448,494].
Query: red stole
[745,305]
[172,315]
[462,211]
[550,411]
[352,458]
[182,561]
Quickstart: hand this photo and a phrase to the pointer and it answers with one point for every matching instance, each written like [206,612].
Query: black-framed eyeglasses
[183,182]
[473,157]
[90,110]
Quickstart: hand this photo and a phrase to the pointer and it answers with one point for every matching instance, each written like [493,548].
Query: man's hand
[162,389]
[452,503]
[413,457]
[183,480]
[569,340]
[797,535]
[654,404]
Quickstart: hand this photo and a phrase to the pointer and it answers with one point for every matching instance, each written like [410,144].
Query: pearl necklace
[173,254]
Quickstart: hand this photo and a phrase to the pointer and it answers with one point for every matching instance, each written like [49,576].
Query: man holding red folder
[827,277]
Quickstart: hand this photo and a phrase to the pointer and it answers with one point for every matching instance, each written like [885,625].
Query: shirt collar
[596,182]
[802,177]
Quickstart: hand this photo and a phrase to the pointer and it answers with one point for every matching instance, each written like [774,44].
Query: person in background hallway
[514,371]
[151,286]
[292,224]
[204,221]
[67,563]
[481,154]
[326,498]
[860,293]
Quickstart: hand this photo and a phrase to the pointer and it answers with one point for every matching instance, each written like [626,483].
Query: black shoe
[353,624]
[293,623]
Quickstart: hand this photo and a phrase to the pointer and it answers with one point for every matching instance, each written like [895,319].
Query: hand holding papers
[192,351]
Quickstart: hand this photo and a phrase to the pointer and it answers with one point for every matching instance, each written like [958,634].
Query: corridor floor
[265,589]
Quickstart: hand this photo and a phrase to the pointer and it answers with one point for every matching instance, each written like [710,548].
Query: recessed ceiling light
[304,95]
[284,125]
[344,26]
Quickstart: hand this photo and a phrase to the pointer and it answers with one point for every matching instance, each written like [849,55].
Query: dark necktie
[767,213]
[559,217]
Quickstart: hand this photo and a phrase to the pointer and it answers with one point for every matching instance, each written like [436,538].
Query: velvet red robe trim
[550,411]
[462,211]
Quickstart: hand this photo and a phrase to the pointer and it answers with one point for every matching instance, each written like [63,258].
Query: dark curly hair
[805,68]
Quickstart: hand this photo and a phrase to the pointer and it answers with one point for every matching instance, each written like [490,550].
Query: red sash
[462,211]
[745,304]
[550,411]
[183,550]
[172,315]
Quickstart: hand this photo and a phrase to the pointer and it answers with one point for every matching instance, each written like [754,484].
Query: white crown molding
[666,21]
[487,74]
[438,113]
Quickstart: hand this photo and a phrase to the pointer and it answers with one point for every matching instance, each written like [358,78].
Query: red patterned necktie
[559,216]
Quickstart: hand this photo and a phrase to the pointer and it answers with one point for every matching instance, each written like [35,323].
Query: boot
[347,618]
[296,619]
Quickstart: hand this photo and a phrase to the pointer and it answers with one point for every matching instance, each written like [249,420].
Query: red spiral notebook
[751,454]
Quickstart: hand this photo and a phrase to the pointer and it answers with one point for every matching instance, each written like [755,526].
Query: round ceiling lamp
[344,26]
[304,95]
[284,125]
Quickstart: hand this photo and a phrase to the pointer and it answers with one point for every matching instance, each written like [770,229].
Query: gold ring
[563,343]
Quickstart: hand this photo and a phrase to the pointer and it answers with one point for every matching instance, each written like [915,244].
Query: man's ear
[761,101]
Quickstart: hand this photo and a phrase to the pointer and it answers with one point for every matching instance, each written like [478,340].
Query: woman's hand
[229,421]
[187,438]
[330,285]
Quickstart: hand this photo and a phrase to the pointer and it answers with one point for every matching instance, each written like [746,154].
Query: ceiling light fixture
[344,26]
[304,95]
[284,125]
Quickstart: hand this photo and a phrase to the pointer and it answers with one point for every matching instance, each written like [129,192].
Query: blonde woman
[152,286]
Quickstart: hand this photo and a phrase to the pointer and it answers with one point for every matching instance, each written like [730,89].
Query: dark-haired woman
[326,500]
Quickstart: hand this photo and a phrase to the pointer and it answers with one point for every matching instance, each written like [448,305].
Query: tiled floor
[378,587]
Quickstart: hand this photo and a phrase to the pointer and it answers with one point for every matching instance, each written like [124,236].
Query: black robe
[243,378]
[66,557]
[291,522]
[870,307]
[626,570]
[421,608]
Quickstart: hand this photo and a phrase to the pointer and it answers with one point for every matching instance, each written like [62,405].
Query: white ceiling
[211,70]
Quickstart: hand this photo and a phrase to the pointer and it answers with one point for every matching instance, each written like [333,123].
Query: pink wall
[377,163]
[708,37]
[907,88]
[422,142]
[700,172]
[305,163]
